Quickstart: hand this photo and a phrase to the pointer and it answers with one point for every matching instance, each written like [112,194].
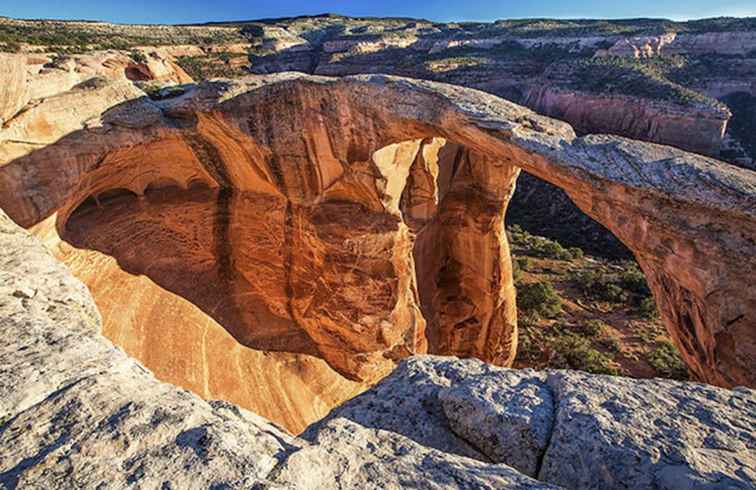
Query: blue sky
[184,11]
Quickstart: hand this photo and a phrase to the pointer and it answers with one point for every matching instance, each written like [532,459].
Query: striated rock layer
[13,79]
[699,130]
[76,412]
[360,220]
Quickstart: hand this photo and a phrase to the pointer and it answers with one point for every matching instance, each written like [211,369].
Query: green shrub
[627,286]
[138,57]
[516,271]
[549,249]
[647,308]
[611,344]
[600,285]
[526,346]
[633,280]
[519,265]
[540,298]
[206,67]
[593,328]
[523,263]
[576,352]
[575,253]
[539,246]
[666,360]
[614,294]
[529,319]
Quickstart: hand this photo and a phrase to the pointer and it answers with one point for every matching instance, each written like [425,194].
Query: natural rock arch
[307,143]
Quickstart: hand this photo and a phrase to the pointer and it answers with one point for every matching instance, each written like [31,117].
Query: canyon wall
[519,67]
[700,131]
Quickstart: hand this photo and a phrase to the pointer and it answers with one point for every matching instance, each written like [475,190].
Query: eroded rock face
[13,79]
[657,122]
[366,256]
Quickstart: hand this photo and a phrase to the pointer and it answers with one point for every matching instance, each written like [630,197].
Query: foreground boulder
[569,429]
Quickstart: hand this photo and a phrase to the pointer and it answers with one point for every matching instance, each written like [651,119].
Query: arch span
[350,225]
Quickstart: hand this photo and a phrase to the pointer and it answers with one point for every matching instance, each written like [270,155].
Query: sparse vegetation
[606,321]
[540,298]
[647,308]
[667,361]
[626,285]
[211,66]
[644,77]
[157,91]
[79,37]
[576,352]
[138,57]
[594,328]
[539,246]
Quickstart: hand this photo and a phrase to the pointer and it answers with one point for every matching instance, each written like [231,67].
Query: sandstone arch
[307,144]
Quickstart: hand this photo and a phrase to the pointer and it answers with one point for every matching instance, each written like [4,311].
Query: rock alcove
[281,242]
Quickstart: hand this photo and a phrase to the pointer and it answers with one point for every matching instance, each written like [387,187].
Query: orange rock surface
[281,241]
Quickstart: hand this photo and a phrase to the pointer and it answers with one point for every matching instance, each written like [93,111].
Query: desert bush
[626,286]
[633,279]
[206,67]
[666,360]
[576,352]
[593,328]
[519,265]
[647,308]
[575,252]
[138,57]
[549,249]
[539,246]
[528,319]
[611,344]
[523,263]
[599,285]
[516,271]
[540,298]
[527,346]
